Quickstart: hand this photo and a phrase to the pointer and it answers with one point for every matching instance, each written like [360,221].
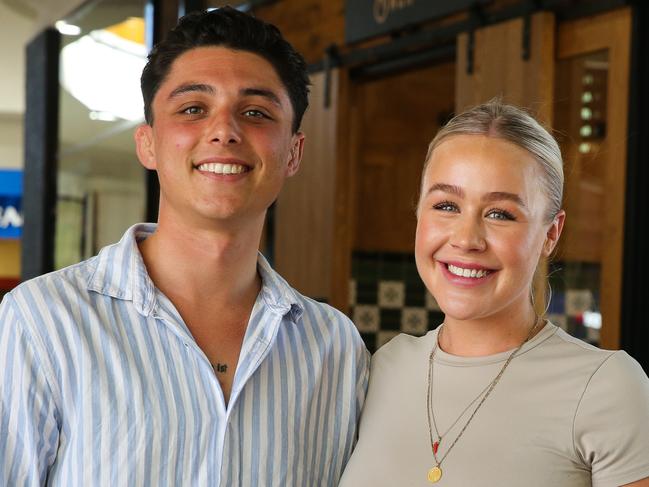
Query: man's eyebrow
[263,92]
[191,87]
[488,198]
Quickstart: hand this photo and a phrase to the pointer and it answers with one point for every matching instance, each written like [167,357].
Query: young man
[178,357]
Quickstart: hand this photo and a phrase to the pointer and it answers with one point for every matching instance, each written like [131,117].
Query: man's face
[221,139]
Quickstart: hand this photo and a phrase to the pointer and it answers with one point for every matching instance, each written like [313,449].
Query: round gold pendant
[434,474]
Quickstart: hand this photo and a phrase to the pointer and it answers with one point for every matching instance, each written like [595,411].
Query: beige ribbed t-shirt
[564,414]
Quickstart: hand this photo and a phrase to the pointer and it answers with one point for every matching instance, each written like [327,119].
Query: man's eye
[255,114]
[193,110]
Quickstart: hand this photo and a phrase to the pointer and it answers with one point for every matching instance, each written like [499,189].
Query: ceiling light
[67,29]
[102,70]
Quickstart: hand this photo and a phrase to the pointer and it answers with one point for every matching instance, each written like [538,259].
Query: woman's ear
[144,146]
[553,233]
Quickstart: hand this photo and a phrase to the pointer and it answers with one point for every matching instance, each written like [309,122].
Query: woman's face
[481,228]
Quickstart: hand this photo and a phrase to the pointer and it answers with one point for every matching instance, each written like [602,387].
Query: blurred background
[386,75]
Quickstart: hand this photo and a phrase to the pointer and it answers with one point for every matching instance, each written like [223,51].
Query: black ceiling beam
[412,40]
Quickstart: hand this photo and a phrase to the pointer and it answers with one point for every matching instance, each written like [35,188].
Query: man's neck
[203,263]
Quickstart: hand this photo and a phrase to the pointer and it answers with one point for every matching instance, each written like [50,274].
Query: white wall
[11,141]
[15,33]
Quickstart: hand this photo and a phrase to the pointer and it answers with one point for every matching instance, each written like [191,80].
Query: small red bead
[435,447]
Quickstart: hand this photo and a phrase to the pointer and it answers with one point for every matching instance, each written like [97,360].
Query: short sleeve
[611,428]
[29,433]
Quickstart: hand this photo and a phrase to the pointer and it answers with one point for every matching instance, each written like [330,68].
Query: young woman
[497,396]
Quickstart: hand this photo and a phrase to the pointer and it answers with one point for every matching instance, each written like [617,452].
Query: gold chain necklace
[435,473]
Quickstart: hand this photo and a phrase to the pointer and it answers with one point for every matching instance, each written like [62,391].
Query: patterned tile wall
[387,297]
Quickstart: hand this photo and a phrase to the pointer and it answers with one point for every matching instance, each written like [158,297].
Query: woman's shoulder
[403,356]
[611,422]
[404,345]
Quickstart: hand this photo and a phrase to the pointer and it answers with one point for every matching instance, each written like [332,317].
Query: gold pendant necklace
[435,473]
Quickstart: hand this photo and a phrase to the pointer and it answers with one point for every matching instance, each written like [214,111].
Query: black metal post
[41,150]
[635,292]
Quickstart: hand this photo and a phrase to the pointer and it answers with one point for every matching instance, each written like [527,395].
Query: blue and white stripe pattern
[102,384]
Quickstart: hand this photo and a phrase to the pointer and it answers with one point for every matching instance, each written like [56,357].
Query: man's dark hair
[236,30]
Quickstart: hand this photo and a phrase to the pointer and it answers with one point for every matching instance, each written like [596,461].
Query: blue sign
[11,203]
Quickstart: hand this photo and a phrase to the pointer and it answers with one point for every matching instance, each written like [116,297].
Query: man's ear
[295,154]
[553,233]
[144,146]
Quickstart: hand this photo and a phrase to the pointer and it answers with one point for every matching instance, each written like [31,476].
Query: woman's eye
[500,215]
[445,206]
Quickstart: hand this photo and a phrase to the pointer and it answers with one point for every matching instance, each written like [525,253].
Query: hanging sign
[369,18]
[11,204]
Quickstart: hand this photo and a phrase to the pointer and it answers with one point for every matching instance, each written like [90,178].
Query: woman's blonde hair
[508,122]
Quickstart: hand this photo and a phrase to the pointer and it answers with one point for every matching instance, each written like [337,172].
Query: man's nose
[469,234]
[224,128]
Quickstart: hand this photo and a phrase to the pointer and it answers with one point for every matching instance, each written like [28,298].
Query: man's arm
[29,433]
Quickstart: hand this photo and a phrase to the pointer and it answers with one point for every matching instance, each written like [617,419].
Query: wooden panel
[304,211]
[400,115]
[309,25]
[610,31]
[584,196]
[348,126]
[499,69]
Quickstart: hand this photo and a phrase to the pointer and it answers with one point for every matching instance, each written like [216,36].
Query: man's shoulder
[328,320]
[281,294]
[73,277]
[322,309]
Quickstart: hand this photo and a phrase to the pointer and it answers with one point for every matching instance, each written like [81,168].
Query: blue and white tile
[392,294]
[367,318]
[414,321]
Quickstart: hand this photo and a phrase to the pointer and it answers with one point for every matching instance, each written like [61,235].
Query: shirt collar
[120,272]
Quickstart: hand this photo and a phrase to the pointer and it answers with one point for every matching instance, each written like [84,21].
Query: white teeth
[218,168]
[475,273]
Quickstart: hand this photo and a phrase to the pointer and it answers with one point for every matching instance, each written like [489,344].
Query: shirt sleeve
[611,428]
[29,433]
[363,374]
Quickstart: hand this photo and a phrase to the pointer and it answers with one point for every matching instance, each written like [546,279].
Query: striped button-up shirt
[101,384]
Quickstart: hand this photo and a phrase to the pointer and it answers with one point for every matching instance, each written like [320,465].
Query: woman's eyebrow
[503,195]
[488,198]
[446,188]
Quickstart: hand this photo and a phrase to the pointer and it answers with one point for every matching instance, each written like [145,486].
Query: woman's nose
[469,234]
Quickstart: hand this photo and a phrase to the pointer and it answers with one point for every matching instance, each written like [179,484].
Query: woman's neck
[487,336]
